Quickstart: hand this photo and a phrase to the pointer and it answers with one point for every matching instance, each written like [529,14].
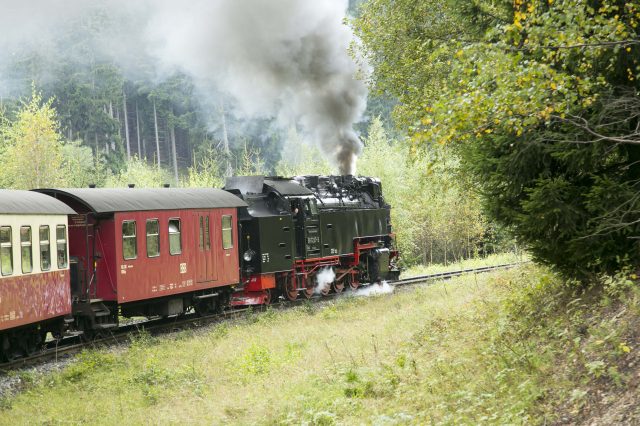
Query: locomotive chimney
[131,185]
[166,185]
[92,185]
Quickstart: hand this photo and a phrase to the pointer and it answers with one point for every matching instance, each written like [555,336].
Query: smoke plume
[283,59]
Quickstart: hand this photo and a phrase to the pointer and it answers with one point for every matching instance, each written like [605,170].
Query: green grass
[498,348]
[491,260]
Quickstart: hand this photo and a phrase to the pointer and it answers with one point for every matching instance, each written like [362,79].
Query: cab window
[311,207]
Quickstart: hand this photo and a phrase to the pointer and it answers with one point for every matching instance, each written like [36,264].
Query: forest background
[71,121]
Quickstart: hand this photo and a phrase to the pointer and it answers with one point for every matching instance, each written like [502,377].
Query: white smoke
[324,278]
[283,59]
[375,289]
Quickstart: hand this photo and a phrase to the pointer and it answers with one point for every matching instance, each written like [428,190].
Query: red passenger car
[34,270]
[150,252]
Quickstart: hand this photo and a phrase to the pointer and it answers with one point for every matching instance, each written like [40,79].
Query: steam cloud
[375,289]
[283,59]
[324,278]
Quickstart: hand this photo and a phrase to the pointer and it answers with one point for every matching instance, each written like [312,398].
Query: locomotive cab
[307,221]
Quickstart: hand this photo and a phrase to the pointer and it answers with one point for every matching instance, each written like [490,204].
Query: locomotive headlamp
[248,255]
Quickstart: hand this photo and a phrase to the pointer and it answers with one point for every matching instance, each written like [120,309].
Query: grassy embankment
[507,347]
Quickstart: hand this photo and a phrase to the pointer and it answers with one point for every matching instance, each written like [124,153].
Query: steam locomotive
[162,252]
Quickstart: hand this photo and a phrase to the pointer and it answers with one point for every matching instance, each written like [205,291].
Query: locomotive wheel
[337,286]
[326,290]
[272,296]
[353,284]
[289,288]
[309,288]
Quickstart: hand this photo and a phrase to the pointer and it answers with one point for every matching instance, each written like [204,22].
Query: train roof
[109,200]
[27,202]
[256,184]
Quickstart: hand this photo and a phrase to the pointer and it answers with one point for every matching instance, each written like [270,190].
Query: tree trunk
[173,153]
[126,124]
[155,123]
[225,139]
[431,251]
[445,251]
[138,129]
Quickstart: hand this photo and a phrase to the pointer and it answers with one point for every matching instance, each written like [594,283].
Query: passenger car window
[61,245]
[6,250]
[129,241]
[45,248]
[25,249]
[153,238]
[227,232]
[175,242]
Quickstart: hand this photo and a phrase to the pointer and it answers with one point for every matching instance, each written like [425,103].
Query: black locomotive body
[311,234]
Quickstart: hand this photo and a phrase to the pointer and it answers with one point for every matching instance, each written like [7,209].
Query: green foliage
[205,172]
[32,147]
[256,360]
[139,173]
[435,216]
[36,154]
[540,100]
[88,361]
[80,167]
[249,162]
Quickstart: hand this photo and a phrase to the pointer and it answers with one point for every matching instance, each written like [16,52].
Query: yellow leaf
[624,348]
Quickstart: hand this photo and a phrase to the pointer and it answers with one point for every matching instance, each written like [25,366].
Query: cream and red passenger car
[34,270]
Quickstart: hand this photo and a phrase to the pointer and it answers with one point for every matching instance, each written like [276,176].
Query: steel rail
[451,274]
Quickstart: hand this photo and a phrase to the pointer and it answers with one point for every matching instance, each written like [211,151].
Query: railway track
[451,274]
[64,348]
